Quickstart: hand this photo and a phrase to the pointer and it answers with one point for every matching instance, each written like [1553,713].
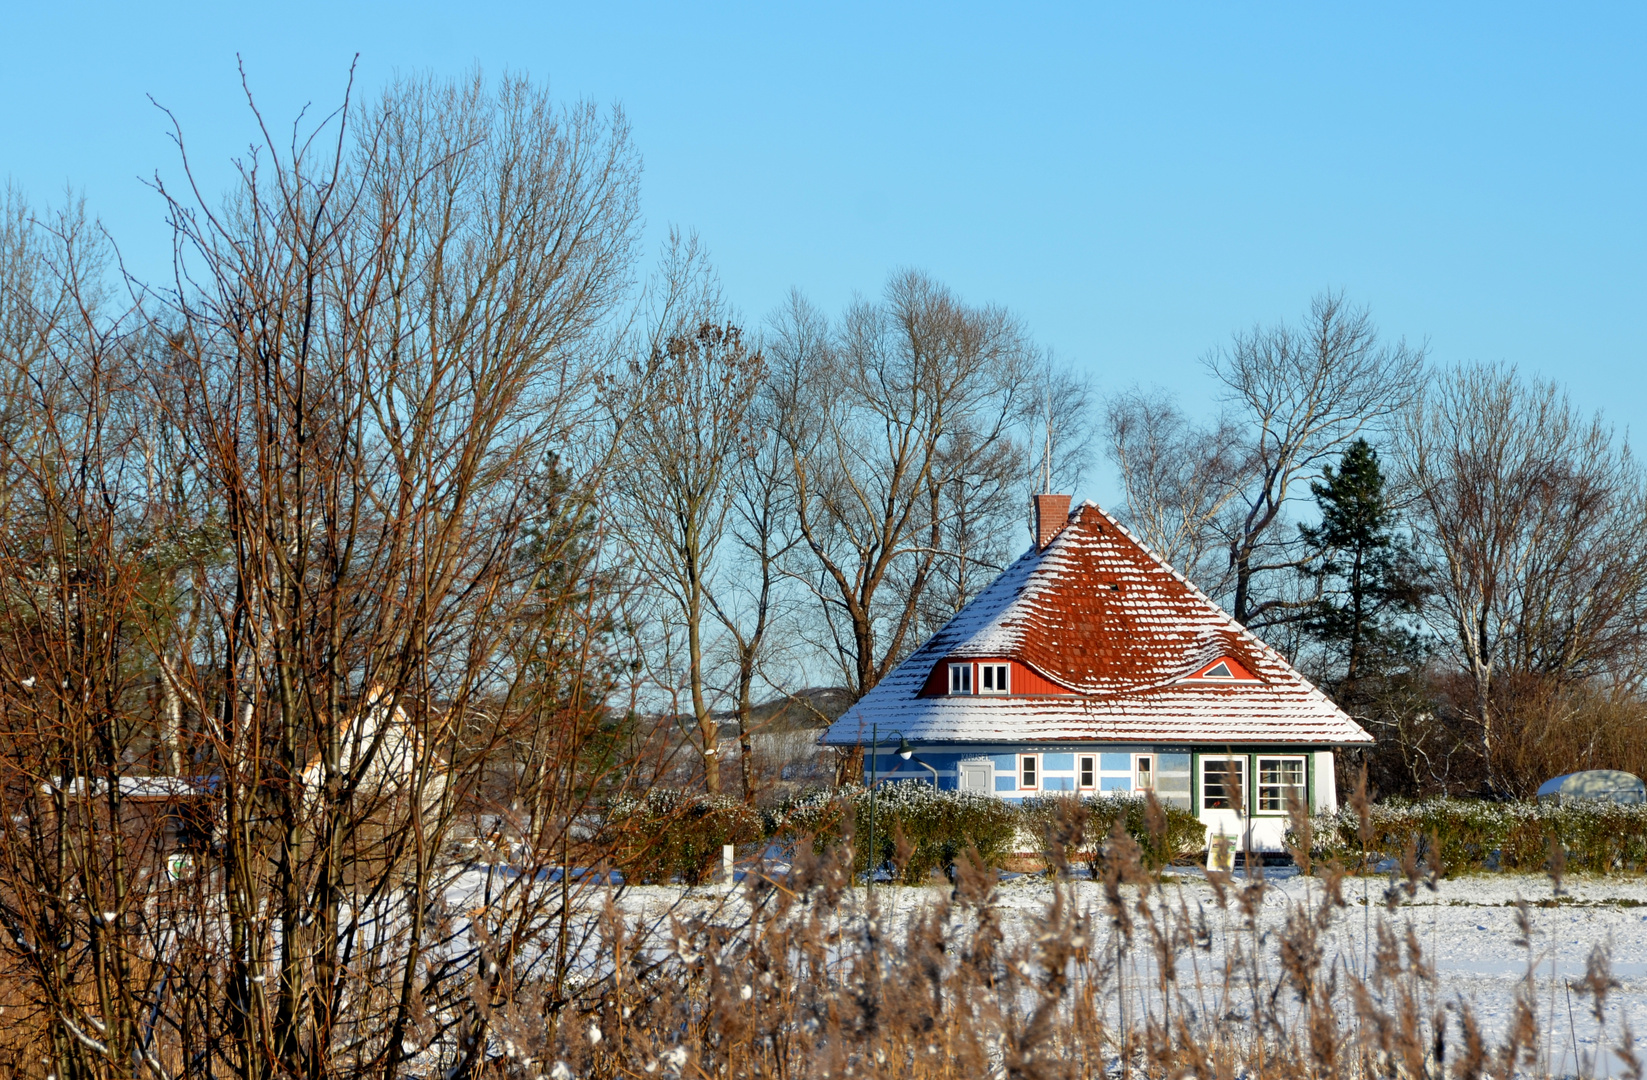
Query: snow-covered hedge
[1176,836]
[667,835]
[938,825]
[1466,834]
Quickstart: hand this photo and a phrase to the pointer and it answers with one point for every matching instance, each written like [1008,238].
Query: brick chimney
[1051,513]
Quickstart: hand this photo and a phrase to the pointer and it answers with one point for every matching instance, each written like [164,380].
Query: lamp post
[874,778]
[906,752]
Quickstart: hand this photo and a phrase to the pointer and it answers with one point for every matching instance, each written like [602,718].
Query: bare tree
[689,437]
[906,404]
[72,584]
[322,534]
[1300,394]
[755,599]
[1046,449]
[1179,479]
[1536,519]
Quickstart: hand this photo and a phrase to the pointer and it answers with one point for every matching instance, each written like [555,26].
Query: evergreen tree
[1368,577]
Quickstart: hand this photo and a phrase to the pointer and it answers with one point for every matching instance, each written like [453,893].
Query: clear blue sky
[1136,181]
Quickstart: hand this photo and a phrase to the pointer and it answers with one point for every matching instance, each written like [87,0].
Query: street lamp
[905,751]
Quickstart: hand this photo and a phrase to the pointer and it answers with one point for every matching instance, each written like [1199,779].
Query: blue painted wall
[944,758]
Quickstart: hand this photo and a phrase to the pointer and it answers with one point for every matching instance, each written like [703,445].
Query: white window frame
[1182,798]
[1086,772]
[999,671]
[1029,766]
[1240,763]
[1279,805]
[1143,772]
[962,674]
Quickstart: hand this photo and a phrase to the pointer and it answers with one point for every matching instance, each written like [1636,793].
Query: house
[382,753]
[160,815]
[1091,666]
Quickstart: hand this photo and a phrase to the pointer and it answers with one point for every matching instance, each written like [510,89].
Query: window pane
[1277,776]
[1028,772]
[1087,772]
[1221,779]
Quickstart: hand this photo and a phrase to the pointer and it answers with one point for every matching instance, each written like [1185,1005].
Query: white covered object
[1612,785]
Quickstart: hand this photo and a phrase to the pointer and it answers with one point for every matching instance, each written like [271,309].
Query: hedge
[666,835]
[1597,837]
[939,825]
[1180,835]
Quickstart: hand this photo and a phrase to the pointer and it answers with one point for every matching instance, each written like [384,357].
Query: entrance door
[1226,800]
[978,776]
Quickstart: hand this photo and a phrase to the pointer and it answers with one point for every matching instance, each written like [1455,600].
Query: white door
[1223,780]
[978,776]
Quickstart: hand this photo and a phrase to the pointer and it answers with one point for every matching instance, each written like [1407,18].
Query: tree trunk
[707,729]
[746,708]
[171,720]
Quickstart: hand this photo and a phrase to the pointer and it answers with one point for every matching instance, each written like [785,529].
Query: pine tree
[1368,577]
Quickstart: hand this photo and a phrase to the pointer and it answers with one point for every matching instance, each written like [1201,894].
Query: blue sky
[1135,181]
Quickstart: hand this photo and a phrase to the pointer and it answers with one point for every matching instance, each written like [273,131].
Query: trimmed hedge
[939,825]
[1598,837]
[1180,836]
[667,835]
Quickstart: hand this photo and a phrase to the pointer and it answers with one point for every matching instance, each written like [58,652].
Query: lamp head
[905,750]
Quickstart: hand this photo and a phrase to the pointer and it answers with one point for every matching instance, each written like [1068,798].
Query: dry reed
[805,974]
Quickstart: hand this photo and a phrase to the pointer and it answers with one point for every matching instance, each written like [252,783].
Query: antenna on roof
[1046,460]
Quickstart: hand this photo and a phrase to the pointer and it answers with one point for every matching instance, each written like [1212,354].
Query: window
[1172,779]
[1028,771]
[1223,780]
[1276,777]
[1146,774]
[1089,771]
[994,678]
[1224,669]
[960,678]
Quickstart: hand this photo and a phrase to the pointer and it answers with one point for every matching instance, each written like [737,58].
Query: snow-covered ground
[1467,927]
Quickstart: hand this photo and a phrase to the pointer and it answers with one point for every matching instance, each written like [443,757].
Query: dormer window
[960,678]
[1223,669]
[992,678]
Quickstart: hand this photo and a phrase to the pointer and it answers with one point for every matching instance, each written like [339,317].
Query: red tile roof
[1096,612]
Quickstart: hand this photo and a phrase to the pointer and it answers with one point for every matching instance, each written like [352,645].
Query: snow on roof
[139,787]
[1097,613]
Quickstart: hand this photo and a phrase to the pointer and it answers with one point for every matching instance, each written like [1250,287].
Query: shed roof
[1096,612]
